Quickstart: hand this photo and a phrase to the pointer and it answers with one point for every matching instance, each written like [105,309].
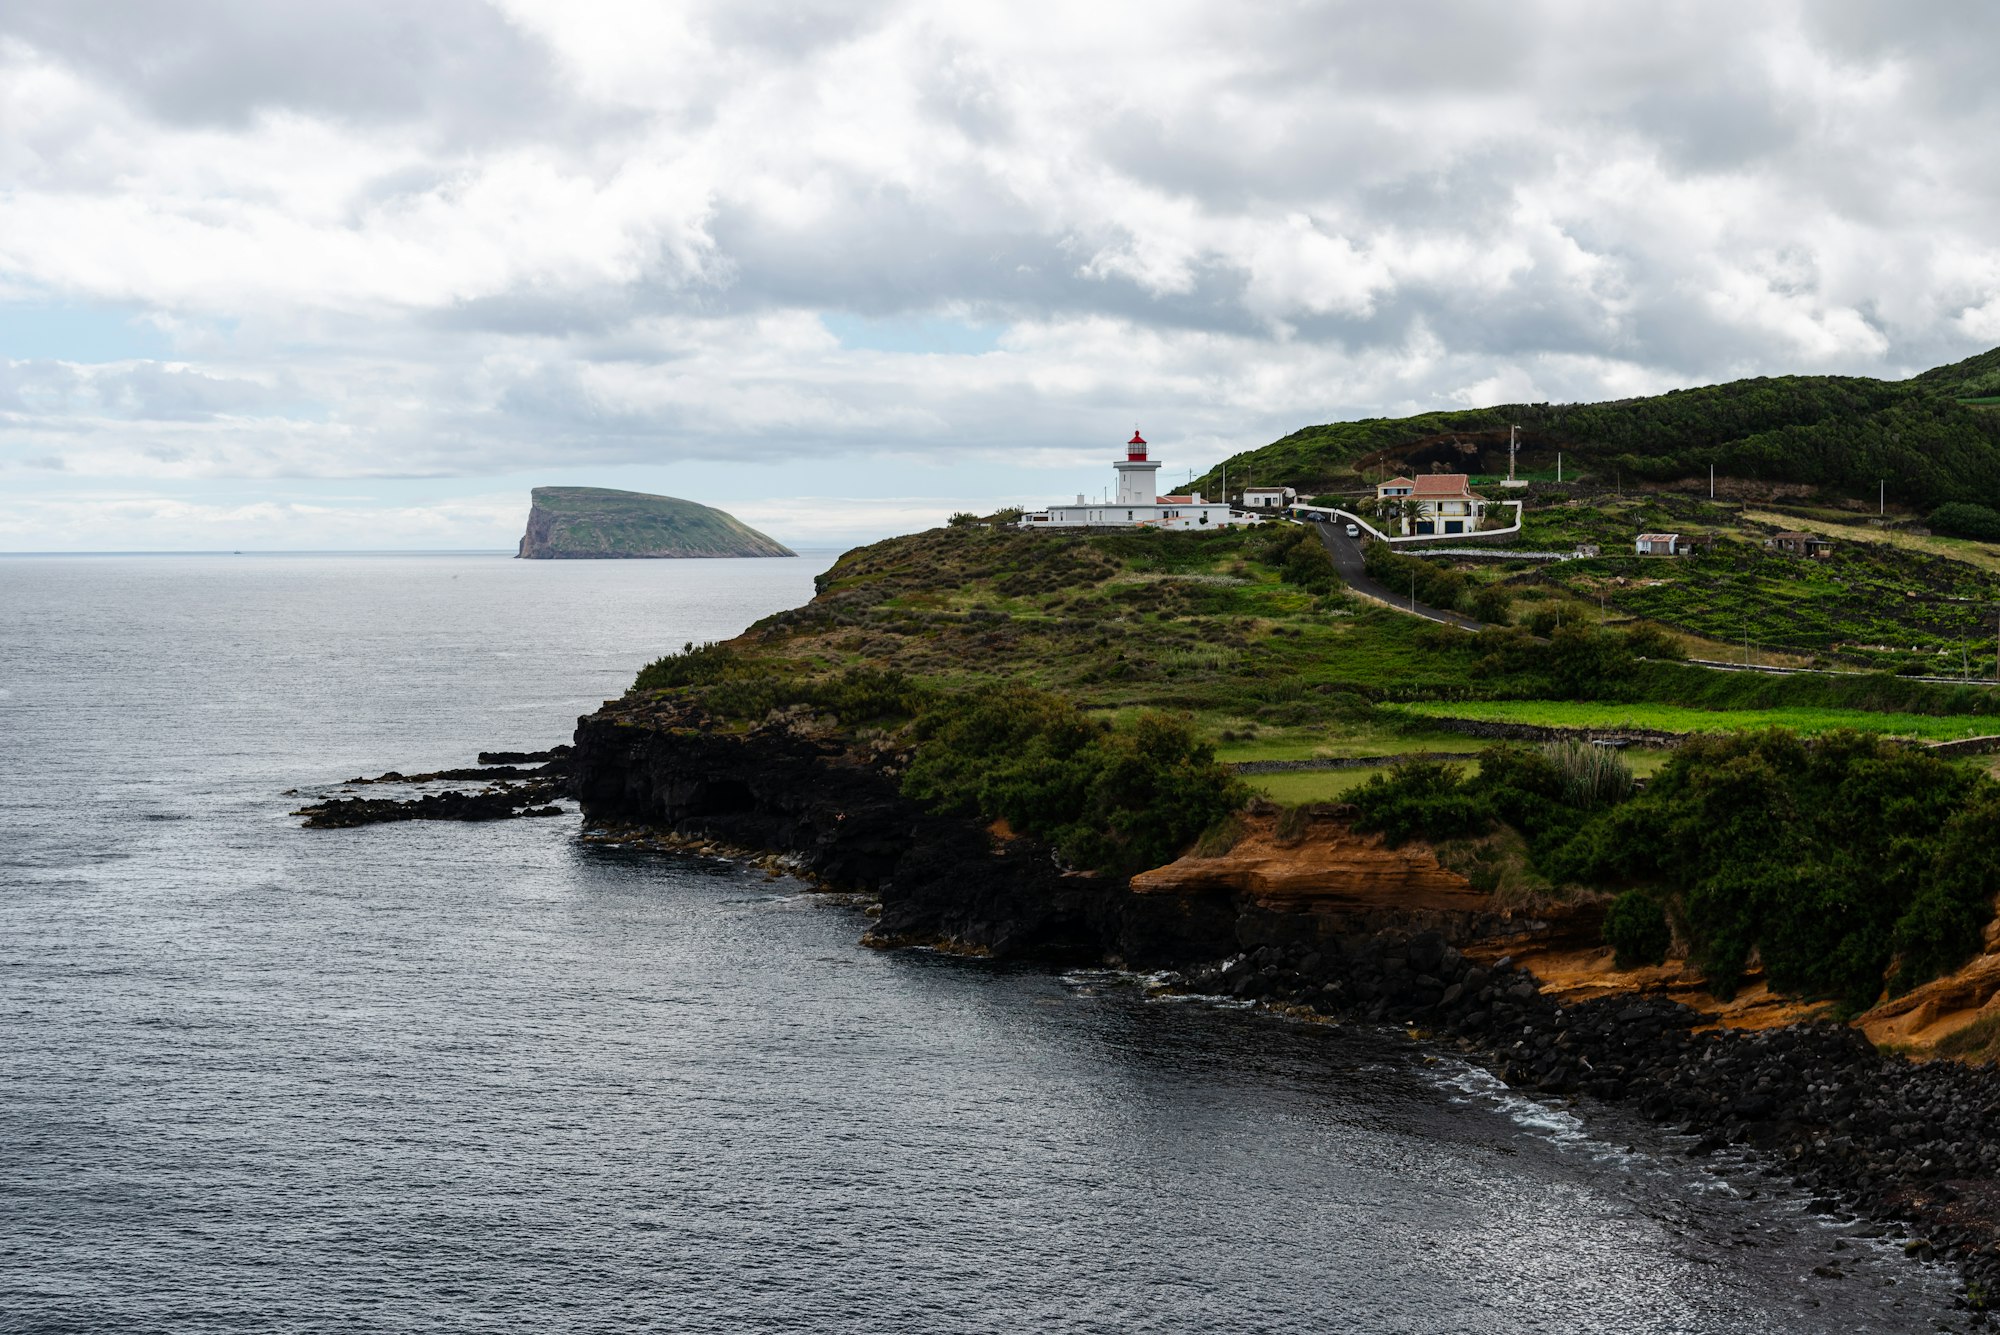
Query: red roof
[1442,484]
[1137,439]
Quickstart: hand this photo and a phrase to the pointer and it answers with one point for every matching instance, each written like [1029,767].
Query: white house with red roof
[1435,504]
[1137,502]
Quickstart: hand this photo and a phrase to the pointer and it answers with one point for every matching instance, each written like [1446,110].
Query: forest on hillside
[1842,434]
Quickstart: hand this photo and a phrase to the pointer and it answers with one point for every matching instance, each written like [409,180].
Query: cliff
[596,523]
[954,883]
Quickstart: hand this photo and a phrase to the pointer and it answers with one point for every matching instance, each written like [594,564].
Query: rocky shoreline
[510,792]
[1914,1146]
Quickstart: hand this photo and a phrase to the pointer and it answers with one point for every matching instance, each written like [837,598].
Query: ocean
[443,1077]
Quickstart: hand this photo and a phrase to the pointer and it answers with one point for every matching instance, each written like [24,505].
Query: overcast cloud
[287,274]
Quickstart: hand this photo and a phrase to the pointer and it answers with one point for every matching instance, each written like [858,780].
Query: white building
[1435,503]
[1269,498]
[1138,502]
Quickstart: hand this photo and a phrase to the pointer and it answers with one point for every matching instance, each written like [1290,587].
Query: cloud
[465,238]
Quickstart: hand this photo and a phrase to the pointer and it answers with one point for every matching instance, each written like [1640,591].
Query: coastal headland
[1755,905]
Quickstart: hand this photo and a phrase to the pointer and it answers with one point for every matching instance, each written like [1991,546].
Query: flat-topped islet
[599,523]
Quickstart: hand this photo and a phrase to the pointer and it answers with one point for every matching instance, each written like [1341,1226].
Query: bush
[693,665]
[1493,605]
[1554,615]
[962,519]
[1219,838]
[1654,643]
[1827,860]
[1420,799]
[1436,583]
[1589,776]
[1310,567]
[1962,519]
[1117,802]
[1636,928]
[733,685]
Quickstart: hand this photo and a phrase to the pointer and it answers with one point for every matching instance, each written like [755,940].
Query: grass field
[1331,785]
[1673,718]
[1325,785]
[1981,554]
[1350,740]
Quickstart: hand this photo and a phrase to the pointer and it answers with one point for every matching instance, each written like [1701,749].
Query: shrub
[693,665]
[1827,860]
[1310,567]
[1436,584]
[1555,615]
[1584,661]
[1420,799]
[1493,605]
[1652,642]
[962,519]
[1219,838]
[1116,802]
[1962,519]
[1635,926]
[1589,776]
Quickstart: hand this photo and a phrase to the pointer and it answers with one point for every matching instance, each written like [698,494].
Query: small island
[600,523]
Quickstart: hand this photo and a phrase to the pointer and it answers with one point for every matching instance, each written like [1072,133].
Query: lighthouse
[1138,483]
[1139,503]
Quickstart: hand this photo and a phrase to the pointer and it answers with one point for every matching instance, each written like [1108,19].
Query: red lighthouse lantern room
[1135,448]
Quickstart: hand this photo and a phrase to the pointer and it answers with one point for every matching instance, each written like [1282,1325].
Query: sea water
[442,1077]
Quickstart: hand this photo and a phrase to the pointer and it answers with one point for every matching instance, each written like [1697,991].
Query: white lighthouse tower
[1139,503]
[1138,483]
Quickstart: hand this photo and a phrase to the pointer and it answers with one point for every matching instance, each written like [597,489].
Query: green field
[1325,785]
[1673,718]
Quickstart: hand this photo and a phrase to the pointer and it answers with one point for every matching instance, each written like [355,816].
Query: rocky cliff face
[1331,923]
[953,882]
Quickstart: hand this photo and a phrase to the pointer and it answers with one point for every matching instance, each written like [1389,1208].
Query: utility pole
[1711,482]
[1559,466]
[1513,444]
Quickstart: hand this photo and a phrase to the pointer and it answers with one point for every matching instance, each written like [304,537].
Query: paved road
[1346,553]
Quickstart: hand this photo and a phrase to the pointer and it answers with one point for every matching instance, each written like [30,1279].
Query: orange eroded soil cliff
[1328,866]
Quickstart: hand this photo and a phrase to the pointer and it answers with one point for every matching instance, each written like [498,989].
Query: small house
[1800,544]
[1432,504]
[1659,544]
[1269,498]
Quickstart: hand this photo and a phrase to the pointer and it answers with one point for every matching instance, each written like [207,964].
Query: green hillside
[1841,434]
[584,523]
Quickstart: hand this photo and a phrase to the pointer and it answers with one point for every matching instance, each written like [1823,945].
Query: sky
[282,275]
